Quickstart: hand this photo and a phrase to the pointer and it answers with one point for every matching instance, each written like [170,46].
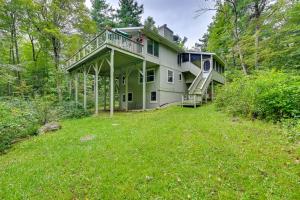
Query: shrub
[17,121]
[69,109]
[267,95]
[20,118]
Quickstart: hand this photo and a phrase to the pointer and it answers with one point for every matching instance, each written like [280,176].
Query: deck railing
[106,37]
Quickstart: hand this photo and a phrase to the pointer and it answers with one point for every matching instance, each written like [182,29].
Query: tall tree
[10,15]
[129,13]
[59,20]
[150,24]
[102,14]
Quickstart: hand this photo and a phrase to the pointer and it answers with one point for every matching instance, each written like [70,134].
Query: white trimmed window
[150,76]
[153,97]
[123,97]
[170,76]
[152,47]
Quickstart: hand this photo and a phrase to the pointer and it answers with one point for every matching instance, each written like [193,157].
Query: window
[180,76]
[130,96]
[152,47]
[153,98]
[156,49]
[185,57]
[207,65]
[150,76]
[179,59]
[170,76]
[195,57]
[123,80]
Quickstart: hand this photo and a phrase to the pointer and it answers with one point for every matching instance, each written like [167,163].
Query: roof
[161,39]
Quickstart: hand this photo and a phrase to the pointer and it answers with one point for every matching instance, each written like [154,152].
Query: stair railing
[196,81]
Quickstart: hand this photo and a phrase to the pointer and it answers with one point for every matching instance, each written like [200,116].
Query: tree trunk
[56,52]
[241,58]
[257,28]
[15,44]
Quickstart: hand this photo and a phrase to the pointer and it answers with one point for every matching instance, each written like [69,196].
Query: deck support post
[206,96]
[144,84]
[96,89]
[84,87]
[70,85]
[97,69]
[105,92]
[126,90]
[76,88]
[112,89]
[212,90]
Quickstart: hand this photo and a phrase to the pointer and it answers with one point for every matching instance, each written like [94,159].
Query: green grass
[173,153]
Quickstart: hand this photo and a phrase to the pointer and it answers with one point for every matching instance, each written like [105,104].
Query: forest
[258,39]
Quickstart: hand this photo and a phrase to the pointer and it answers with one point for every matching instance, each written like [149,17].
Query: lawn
[174,153]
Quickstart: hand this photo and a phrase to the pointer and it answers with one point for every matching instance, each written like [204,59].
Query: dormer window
[152,47]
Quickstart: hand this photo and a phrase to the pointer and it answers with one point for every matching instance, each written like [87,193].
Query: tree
[102,14]
[129,13]
[59,20]
[10,15]
[150,24]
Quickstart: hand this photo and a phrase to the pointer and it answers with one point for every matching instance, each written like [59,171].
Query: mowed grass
[174,153]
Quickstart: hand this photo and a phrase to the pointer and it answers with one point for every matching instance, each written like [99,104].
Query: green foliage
[69,110]
[129,13]
[266,95]
[258,34]
[102,14]
[18,120]
[150,24]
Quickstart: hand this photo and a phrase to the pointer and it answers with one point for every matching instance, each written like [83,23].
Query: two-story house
[149,68]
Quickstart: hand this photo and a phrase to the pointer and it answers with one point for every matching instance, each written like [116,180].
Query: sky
[179,15]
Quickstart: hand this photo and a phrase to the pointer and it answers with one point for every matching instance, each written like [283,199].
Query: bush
[69,109]
[17,121]
[20,118]
[266,95]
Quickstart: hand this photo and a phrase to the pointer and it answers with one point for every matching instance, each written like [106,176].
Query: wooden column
[212,90]
[84,87]
[126,90]
[76,88]
[144,85]
[97,69]
[105,91]
[96,89]
[112,82]
[70,85]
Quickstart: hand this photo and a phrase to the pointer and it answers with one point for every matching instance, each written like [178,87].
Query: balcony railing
[106,37]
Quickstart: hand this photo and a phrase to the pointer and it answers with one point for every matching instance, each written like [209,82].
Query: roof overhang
[215,56]
[162,40]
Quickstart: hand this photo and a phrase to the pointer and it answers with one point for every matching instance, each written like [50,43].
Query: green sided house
[146,69]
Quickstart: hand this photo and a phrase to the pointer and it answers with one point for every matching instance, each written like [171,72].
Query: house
[148,68]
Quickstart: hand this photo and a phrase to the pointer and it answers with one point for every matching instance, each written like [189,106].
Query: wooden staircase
[197,92]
